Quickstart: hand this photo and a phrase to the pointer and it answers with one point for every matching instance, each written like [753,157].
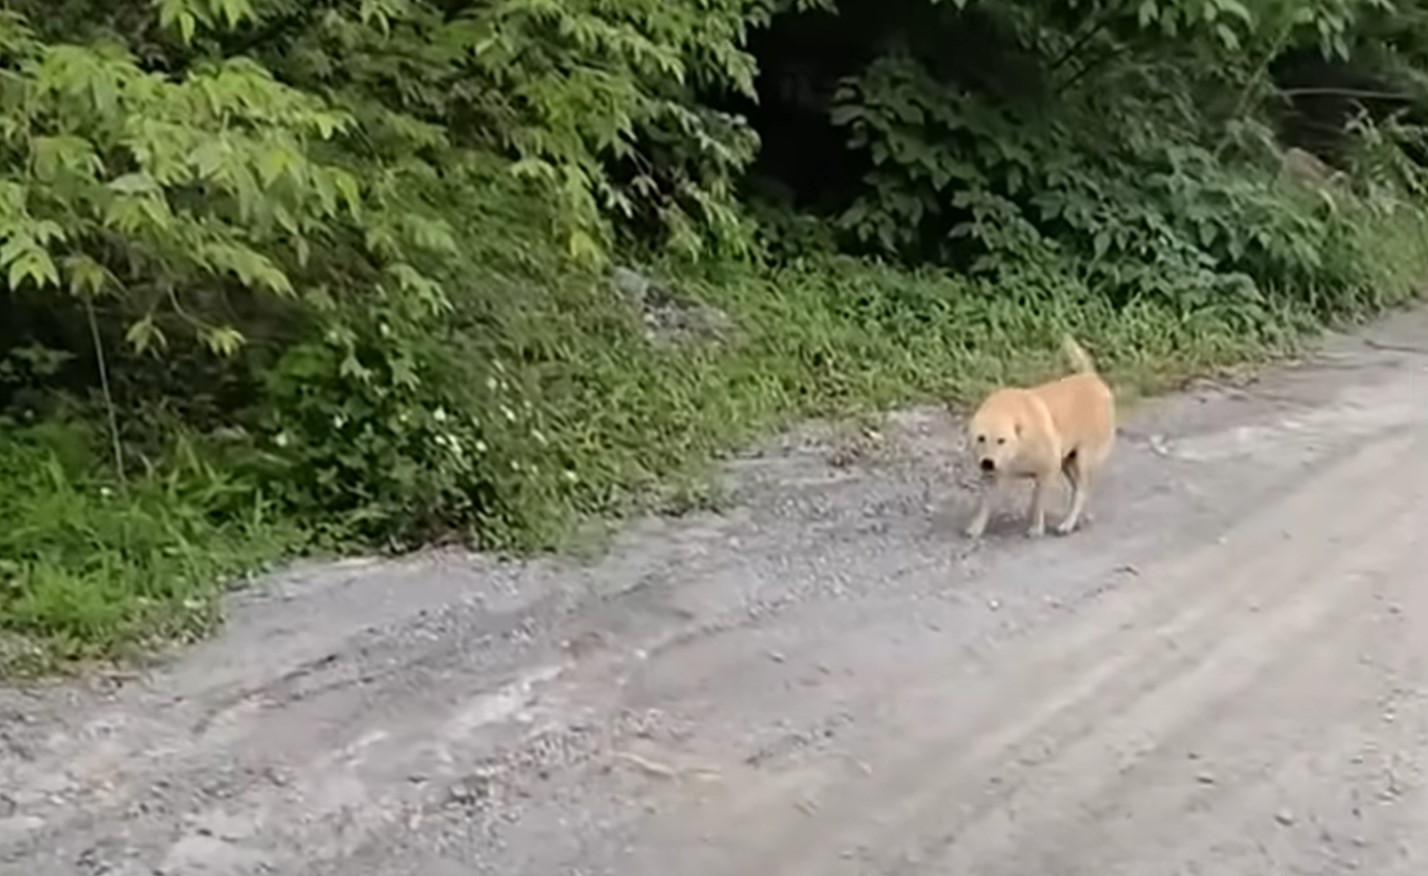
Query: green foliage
[90,567]
[594,102]
[175,195]
[397,439]
[281,274]
[961,176]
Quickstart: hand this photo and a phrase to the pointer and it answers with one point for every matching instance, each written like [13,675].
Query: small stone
[1205,778]
[1284,817]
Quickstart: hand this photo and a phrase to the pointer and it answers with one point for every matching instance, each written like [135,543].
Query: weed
[94,568]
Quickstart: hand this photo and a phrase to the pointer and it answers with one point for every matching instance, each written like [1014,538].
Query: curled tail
[1079,358]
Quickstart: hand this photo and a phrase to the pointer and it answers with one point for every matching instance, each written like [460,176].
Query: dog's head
[994,436]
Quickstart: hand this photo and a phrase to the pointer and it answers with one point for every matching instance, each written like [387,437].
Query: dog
[1066,426]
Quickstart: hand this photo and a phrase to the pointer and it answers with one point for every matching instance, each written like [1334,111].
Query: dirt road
[1227,674]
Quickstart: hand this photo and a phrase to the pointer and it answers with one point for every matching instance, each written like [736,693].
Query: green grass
[95,569]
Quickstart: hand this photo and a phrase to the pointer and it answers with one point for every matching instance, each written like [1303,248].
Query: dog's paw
[1036,531]
[1066,527]
[973,532]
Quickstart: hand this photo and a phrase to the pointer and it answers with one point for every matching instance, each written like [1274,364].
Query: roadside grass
[95,569]
[92,568]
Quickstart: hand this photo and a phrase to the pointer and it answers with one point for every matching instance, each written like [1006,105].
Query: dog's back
[1081,404]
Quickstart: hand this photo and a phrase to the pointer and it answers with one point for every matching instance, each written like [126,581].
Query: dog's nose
[988,465]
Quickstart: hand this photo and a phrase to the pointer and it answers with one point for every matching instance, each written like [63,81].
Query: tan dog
[1067,426]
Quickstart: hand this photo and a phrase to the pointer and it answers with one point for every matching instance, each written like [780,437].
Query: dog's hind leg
[1079,474]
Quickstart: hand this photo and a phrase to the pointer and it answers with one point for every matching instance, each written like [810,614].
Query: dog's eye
[981,439]
[1001,440]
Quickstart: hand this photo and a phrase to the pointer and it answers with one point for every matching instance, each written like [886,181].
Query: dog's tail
[1077,355]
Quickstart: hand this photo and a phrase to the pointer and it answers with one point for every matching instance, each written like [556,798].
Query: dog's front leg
[983,515]
[1036,523]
